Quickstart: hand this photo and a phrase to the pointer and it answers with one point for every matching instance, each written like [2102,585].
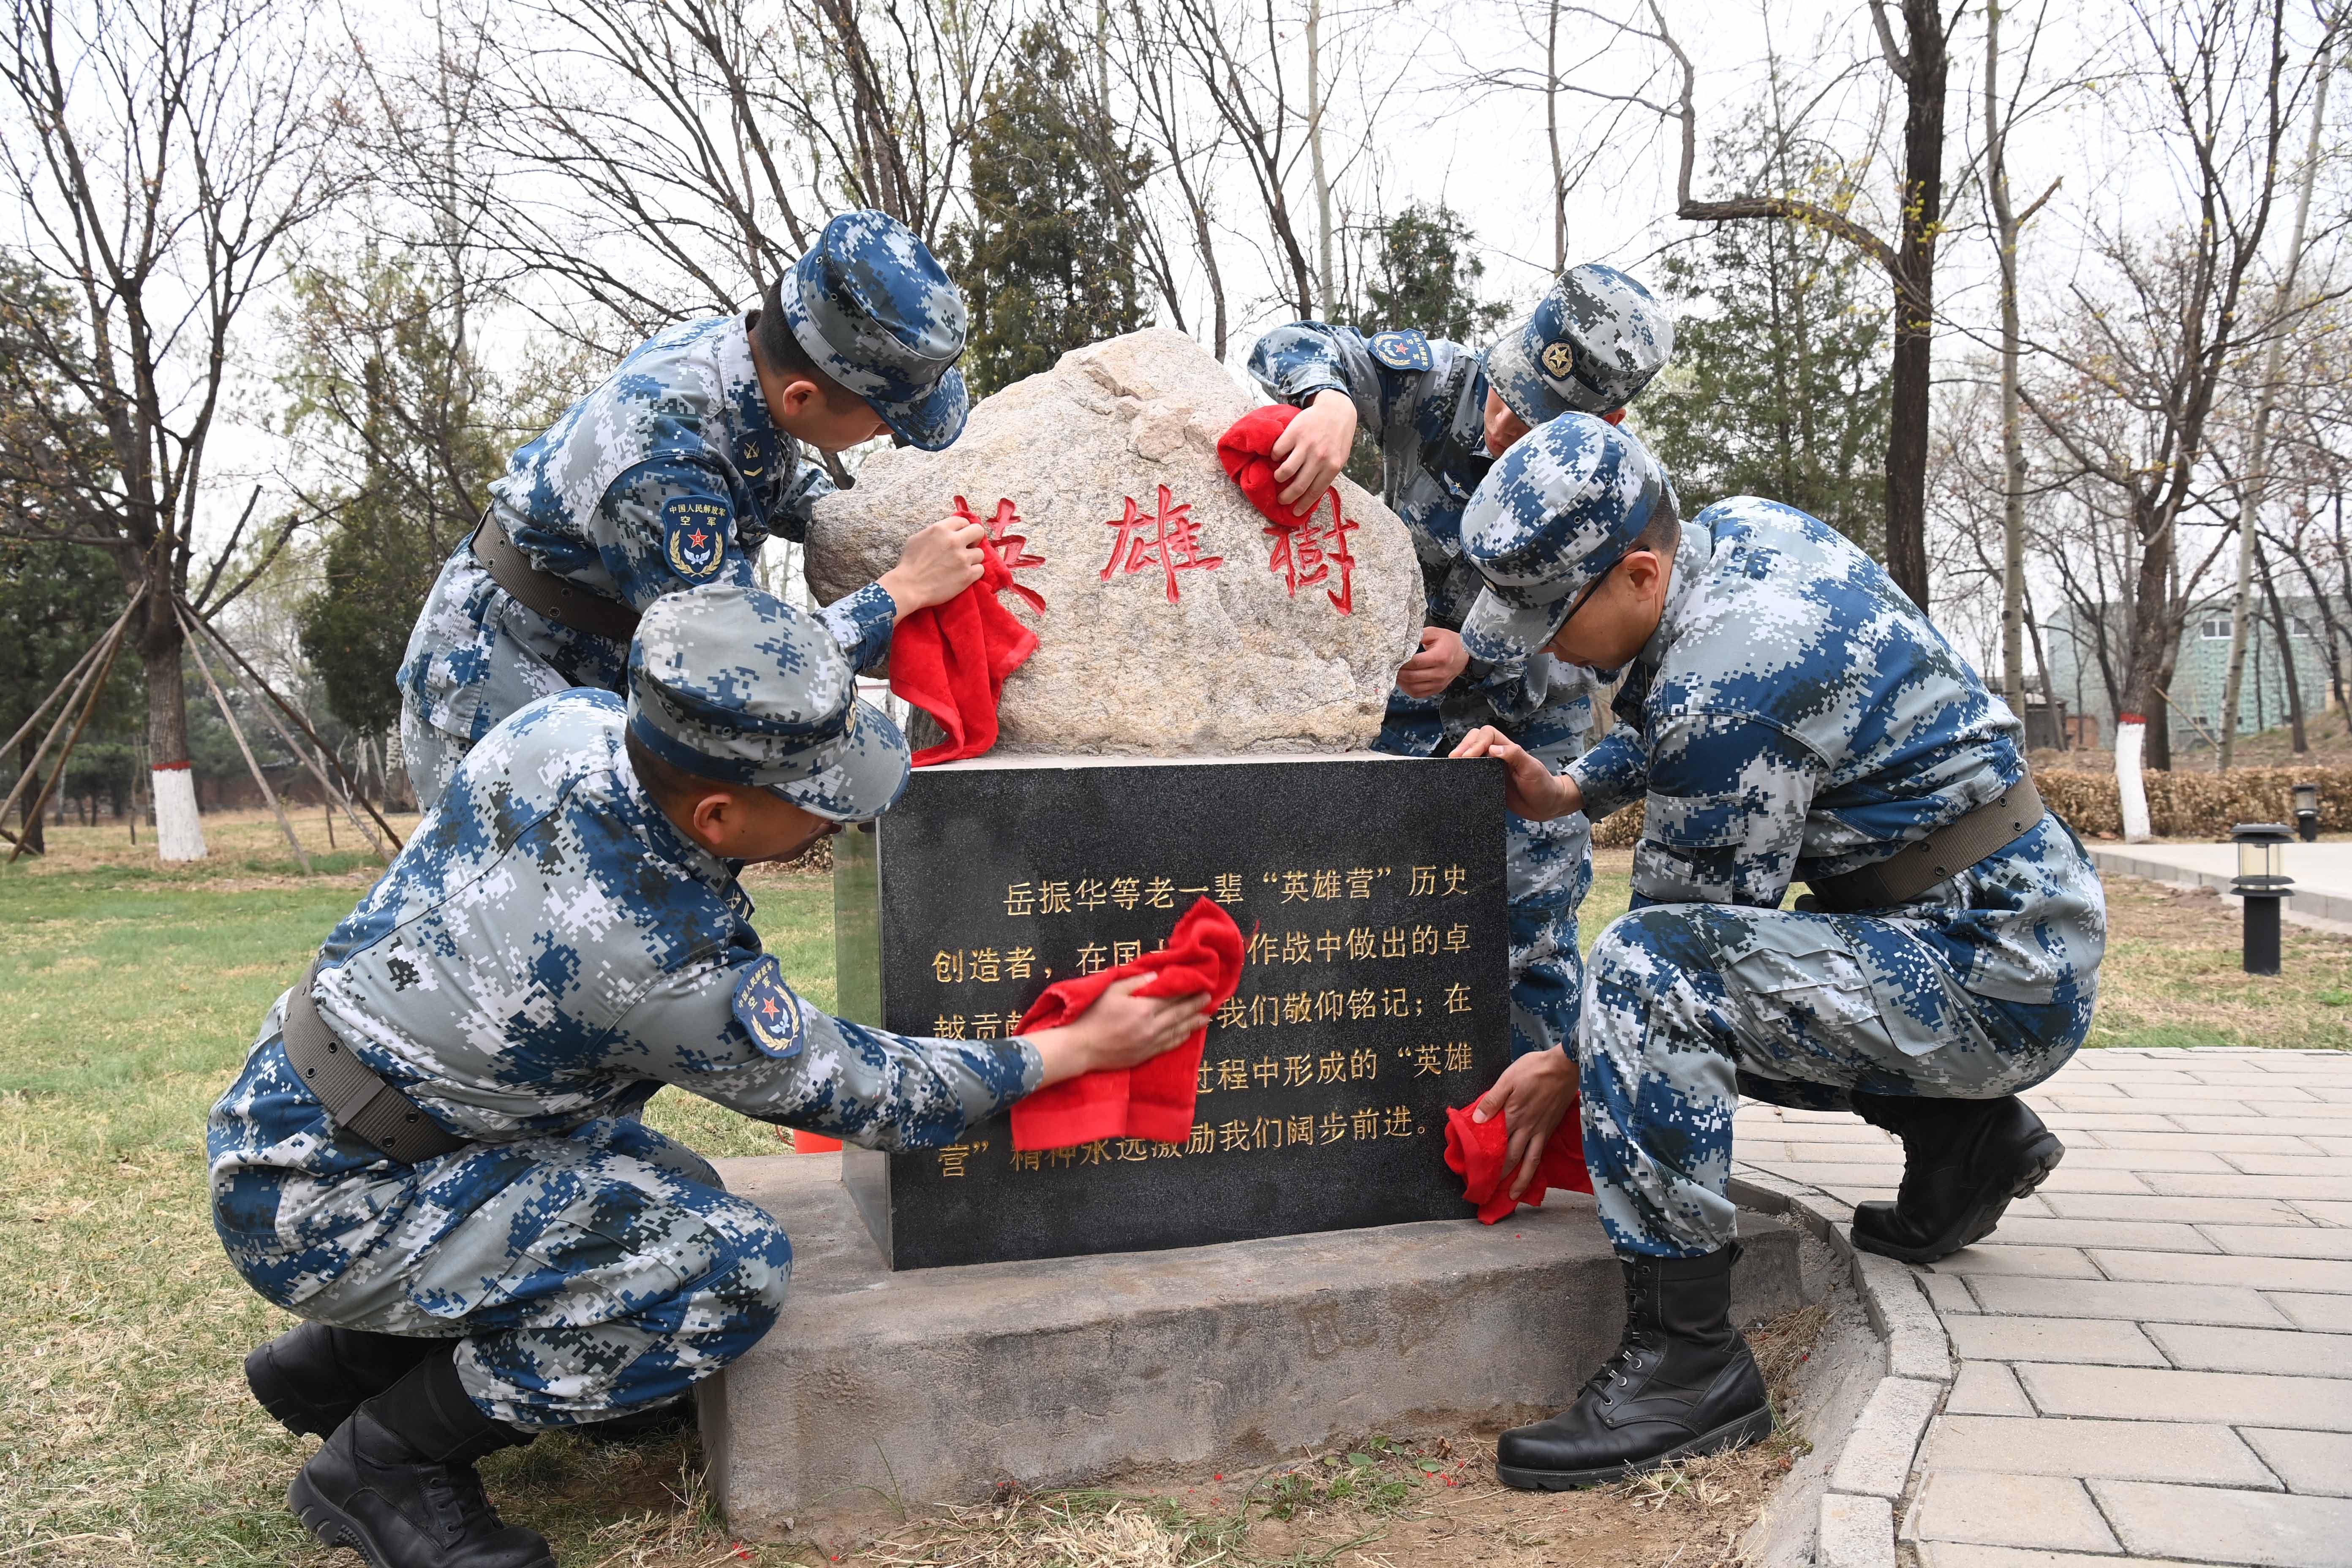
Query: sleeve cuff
[862,625]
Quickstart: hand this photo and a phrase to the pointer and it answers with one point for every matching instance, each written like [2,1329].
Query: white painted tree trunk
[2130,734]
[179,831]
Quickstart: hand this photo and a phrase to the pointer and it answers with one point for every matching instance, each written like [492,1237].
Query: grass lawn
[129,994]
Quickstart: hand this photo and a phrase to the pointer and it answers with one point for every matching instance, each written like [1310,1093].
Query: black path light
[2306,812]
[2261,881]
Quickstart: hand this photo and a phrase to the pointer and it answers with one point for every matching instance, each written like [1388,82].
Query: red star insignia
[769,1006]
[696,538]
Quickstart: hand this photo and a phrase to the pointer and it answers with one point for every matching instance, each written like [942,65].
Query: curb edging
[1872,1477]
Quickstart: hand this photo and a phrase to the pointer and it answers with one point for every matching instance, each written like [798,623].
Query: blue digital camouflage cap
[1592,342]
[872,308]
[733,684]
[1551,517]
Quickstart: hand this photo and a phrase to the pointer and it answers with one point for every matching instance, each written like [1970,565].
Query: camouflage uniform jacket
[546,950]
[1425,401]
[1795,718]
[669,475]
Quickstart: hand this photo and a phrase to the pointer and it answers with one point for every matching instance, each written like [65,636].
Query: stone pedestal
[878,1390]
[1370,891]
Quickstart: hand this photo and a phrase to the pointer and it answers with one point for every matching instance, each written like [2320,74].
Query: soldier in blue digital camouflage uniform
[674,472]
[1788,716]
[563,935]
[1442,414]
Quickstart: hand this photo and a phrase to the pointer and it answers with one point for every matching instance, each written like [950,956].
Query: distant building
[2079,681]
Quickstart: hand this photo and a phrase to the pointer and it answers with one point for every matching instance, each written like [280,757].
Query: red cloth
[1475,1149]
[951,662]
[1246,449]
[1154,1100]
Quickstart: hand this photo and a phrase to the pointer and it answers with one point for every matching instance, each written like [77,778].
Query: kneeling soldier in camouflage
[434,1154]
[1788,714]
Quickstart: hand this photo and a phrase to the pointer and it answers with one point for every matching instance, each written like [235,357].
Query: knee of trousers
[1651,983]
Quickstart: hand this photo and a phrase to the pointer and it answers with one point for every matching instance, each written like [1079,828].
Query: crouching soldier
[674,472]
[1442,414]
[434,1153]
[1787,715]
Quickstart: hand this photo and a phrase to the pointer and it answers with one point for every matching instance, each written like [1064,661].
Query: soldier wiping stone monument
[1790,715]
[434,1153]
[674,472]
[1442,414]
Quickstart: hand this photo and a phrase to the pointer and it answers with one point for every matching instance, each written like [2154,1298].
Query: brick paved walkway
[2152,1356]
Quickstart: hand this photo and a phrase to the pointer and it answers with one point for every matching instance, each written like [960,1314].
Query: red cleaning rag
[951,662]
[1475,1149]
[1154,1100]
[1246,449]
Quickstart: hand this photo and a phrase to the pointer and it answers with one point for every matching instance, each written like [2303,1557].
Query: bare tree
[2143,353]
[2251,494]
[162,153]
[2008,225]
[1919,63]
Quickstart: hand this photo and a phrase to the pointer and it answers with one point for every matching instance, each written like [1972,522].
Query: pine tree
[1423,273]
[1048,261]
[1779,385]
[382,376]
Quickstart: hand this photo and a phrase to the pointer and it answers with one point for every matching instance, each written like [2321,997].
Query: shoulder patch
[695,530]
[769,1011]
[1401,350]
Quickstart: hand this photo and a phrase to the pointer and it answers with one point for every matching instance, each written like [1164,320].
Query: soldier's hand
[937,564]
[1532,1096]
[1433,670]
[1120,1030]
[1531,790]
[1312,448]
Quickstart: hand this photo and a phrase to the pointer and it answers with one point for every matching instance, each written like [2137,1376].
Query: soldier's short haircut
[773,341]
[1663,531]
[671,786]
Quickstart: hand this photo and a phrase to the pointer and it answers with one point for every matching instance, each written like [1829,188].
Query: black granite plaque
[1371,893]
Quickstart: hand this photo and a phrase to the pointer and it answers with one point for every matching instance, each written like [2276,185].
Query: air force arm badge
[694,535]
[1401,350]
[769,1011]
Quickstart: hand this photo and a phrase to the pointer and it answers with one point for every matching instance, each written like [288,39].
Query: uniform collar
[747,403]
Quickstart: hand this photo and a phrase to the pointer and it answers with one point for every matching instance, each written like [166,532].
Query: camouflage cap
[872,306]
[1591,345]
[733,684]
[1551,517]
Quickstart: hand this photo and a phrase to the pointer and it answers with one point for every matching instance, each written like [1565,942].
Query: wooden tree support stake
[196,648]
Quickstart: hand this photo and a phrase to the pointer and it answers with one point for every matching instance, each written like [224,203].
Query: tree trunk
[2250,496]
[29,820]
[2301,742]
[2013,442]
[1914,299]
[179,831]
[1323,288]
[1551,133]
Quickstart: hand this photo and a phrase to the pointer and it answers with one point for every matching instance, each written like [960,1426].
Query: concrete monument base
[880,1390]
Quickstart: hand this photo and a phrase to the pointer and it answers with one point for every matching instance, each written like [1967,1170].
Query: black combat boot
[397,1481]
[1682,1382]
[1963,1161]
[312,1378]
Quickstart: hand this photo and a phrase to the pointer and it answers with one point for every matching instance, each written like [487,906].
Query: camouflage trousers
[1686,1005]
[585,1276]
[431,755]
[1548,870]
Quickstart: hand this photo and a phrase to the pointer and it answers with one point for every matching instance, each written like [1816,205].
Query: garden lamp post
[2306,812]
[2261,882]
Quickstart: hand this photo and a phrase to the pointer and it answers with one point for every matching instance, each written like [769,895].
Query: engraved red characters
[1010,548]
[1170,539]
[1306,550]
